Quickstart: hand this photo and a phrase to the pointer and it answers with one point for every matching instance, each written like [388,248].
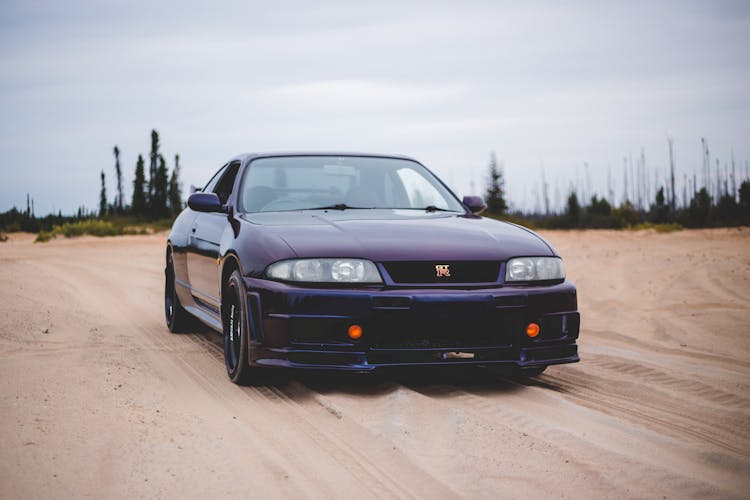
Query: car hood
[406,235]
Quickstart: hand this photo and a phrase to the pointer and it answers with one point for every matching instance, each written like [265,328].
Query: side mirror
[475,204]
[205,202]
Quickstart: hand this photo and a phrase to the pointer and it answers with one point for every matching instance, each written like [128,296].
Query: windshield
[341,182]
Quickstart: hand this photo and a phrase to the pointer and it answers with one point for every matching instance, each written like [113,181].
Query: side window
[224,187]
[212,183]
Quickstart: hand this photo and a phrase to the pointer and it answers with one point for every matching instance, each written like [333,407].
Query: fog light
[532,330]
[355,332]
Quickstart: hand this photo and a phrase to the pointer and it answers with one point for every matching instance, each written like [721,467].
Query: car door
[203,244]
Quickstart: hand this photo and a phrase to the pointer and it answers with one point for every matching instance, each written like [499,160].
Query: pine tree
[139,184]
[744,192]
[660,208]
[154,157]
[103,199]
[573,211]
[496,188]
[118,173]
[175,193]
[699,210]
[159,207]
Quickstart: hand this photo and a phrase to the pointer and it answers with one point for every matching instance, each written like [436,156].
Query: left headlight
[325,271]
[534,269]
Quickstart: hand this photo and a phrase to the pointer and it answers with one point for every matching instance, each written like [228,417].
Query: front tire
[236,330]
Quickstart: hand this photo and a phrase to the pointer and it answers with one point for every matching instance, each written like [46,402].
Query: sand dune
[108,404]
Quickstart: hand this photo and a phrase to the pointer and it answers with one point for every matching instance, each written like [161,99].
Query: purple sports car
[356,262]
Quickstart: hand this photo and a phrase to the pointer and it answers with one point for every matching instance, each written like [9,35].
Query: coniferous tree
[495,188]
[153,167]
[139,184]
[175,193]
[660,208]
[699,210]
[118,173]
[573,211]
[744,192]
[103,199]
[161,185]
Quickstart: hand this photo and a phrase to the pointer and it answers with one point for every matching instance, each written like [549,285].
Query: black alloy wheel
[236,334]
[178,319]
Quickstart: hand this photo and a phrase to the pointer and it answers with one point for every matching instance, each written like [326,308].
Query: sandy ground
[108,404]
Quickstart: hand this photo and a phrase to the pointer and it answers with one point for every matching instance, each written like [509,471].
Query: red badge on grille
[442,271]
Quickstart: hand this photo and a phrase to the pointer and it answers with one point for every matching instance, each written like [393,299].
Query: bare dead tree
[545,193]
[672,203]
[625,180]
[684,191]
[734,179]
[644,181]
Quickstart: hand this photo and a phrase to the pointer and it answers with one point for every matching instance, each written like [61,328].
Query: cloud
[446,82]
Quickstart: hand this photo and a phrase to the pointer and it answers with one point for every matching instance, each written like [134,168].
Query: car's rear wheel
[178,319]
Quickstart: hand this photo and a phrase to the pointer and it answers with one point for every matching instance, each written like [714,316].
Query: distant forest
[156,198]
[720,197]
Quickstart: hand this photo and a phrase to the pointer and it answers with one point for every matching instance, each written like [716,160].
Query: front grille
[458,271]
[493,329]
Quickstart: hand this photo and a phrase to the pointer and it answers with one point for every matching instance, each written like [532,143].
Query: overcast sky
[546,84]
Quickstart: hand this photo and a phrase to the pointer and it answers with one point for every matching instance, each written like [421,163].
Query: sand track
[108,403]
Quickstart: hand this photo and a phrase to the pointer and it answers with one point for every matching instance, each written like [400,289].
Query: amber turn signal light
[355,332]
[532,330]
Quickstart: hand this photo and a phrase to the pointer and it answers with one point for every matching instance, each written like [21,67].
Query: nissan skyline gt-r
[357,262]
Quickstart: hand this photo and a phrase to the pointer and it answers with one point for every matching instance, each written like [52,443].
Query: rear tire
[177,318]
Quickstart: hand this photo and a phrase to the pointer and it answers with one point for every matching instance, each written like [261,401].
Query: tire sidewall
[169,284]
[236,287]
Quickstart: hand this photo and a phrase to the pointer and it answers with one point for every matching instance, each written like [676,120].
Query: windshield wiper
[429,208]
[337,206]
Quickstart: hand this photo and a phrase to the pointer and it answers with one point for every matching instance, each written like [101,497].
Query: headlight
[325,271]
[534,269]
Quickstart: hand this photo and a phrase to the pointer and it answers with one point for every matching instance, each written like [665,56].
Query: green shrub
[666,227]
[102,227]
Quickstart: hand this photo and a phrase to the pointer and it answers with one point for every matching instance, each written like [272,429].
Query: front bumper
[298,327]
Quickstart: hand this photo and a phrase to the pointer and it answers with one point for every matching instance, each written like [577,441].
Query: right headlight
[325,271]
[534,269]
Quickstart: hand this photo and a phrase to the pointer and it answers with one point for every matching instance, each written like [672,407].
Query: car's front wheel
[236,334]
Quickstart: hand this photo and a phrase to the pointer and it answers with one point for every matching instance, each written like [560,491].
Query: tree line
[157,197]
[719,201]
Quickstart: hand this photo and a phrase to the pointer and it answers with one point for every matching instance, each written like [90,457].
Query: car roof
[246,157]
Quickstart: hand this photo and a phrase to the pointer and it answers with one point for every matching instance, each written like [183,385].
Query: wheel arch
[230,263]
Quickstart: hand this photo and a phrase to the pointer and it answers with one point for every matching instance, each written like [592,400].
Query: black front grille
[437,272]
[494,329]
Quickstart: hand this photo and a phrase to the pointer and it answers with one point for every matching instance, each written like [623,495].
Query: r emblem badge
[442,271]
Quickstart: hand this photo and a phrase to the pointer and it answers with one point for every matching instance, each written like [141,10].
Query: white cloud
[446,82]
